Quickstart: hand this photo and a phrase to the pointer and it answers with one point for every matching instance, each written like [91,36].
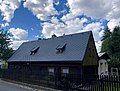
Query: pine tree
[106,41]
[111,45]
[5,50]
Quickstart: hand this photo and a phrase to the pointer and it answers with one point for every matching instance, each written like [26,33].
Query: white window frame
[51,70]
[65,70]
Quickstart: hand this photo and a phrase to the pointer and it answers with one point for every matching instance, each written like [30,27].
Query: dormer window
[61,48]
[34,50]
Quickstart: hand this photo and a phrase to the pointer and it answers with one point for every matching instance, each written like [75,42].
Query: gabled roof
[103,56]
[75,48]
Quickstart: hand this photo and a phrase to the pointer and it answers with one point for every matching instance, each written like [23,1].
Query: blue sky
[28,20]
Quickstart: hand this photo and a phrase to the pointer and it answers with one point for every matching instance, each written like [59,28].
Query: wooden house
[68,54]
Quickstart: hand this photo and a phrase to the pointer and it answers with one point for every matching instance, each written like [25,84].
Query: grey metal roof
[103,55]
[76,45]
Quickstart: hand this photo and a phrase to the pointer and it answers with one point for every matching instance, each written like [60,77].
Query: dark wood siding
[74,68]
[91,57]
[90,62]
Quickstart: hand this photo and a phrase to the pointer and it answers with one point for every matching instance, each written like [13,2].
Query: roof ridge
[59,36]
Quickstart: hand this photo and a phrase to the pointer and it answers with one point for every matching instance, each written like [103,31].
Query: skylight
[61,48]
[34,50]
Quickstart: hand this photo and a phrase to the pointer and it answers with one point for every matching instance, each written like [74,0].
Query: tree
[115,43]
[5,50]
[106,41]
[114,62]
[111,45]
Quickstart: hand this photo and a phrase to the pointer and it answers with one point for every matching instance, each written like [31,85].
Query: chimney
[53,36]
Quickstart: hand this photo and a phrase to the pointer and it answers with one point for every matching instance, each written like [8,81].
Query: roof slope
[76,45]
[103,56]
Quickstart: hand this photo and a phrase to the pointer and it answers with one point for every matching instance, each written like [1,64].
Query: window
[51,70]
[106,70]
[65,71]
[61,48]
[101,68]
[34,50]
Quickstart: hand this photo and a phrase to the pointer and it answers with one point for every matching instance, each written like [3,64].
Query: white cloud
[18,34]
[41,8]
[101,33]
[7,8]
[98,45]
[114,12]
[16,43]
[4,25]
[94,27]
[32,29]
[37,36]
[68,17]
[95,8]
[59,28]
[112,23]
[108,9]
[55,20]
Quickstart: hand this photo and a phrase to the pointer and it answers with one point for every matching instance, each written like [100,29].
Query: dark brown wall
[74,68]
[90,62]
[91,57]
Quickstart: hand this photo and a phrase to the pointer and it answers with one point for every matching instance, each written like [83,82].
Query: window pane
[65,70]
[51,70]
